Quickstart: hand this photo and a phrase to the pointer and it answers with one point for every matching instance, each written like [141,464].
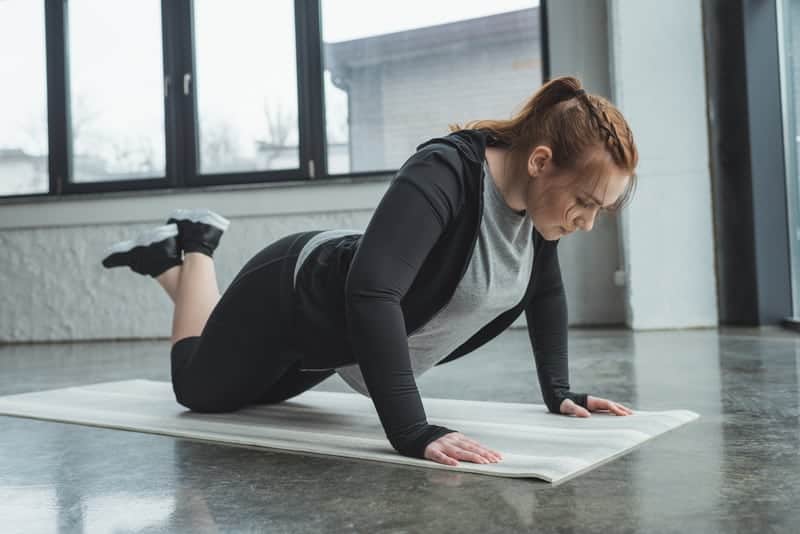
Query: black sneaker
[199,229]
[152,252]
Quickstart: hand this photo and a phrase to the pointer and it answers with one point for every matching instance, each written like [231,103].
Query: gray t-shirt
[495,281]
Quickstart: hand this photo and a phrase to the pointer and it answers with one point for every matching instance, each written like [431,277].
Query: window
[246,86]
[113,95]
[23,99]
[395,78]
[116,118]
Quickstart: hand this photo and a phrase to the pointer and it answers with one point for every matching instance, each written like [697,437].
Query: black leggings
[247,352]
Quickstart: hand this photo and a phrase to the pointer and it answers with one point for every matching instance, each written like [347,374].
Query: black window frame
[180,122]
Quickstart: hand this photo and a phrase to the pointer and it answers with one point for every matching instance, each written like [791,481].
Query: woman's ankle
[196,255]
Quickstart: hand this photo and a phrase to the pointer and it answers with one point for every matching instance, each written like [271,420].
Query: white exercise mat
[533,442]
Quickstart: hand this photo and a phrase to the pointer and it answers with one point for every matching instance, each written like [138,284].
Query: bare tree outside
[35,131]
[132,155]
[279,125]
[83,119]
[218,150]
[98,154]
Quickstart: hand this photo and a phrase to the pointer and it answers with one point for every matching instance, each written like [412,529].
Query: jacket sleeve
[417,207]
[546,315]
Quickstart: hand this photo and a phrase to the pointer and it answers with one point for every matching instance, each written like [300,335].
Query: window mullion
[171,47]
[311,110]
[57,95]
[185,101]
[179,107]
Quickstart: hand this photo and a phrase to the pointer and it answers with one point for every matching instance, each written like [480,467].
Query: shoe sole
[144,239]
[201,215]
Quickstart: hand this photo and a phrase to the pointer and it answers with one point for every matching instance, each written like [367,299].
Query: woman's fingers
[580,411]
[455,446]
[597,404]
[442,458]
[474,446]
[463,454]
[619,409]
[461,441]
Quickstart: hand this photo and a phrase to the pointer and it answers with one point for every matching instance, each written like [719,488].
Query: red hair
[575,125]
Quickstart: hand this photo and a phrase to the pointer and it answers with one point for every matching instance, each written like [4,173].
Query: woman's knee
[202,402]
[194,390]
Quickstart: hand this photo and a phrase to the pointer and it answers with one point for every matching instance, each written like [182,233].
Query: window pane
[116,92]
[790,71]
[23,98]
[395,78]
[246,85]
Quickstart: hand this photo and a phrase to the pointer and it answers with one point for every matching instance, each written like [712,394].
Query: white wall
[54,287]
[658,81]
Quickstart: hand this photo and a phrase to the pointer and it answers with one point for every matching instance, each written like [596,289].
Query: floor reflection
[760,432]
[679,372]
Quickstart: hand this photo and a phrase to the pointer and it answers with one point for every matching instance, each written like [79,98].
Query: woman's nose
[586,223]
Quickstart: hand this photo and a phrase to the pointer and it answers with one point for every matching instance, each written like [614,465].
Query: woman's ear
[538,160]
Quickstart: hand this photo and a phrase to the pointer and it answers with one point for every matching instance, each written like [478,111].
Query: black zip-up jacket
[359,298]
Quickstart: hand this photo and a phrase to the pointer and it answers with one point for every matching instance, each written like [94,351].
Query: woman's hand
[456,446]
[595,404]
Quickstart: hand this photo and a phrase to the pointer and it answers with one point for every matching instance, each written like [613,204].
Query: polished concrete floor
[736,469]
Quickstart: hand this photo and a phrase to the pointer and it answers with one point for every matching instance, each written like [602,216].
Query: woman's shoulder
[438,174]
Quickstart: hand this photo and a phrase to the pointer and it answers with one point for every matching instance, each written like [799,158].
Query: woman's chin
[550,233]
[556,233]
[553,237]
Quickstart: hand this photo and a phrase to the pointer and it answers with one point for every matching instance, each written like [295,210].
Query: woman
[461,243]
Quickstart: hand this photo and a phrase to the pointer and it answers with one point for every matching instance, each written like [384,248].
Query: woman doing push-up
[461,244]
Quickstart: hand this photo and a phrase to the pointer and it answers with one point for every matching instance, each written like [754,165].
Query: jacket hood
[471,144]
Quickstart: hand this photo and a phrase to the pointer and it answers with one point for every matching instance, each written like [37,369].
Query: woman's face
[560,202]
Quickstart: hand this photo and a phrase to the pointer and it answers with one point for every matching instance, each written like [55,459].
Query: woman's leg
[194,291]
[169,280]
[229,351]
[197,294]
